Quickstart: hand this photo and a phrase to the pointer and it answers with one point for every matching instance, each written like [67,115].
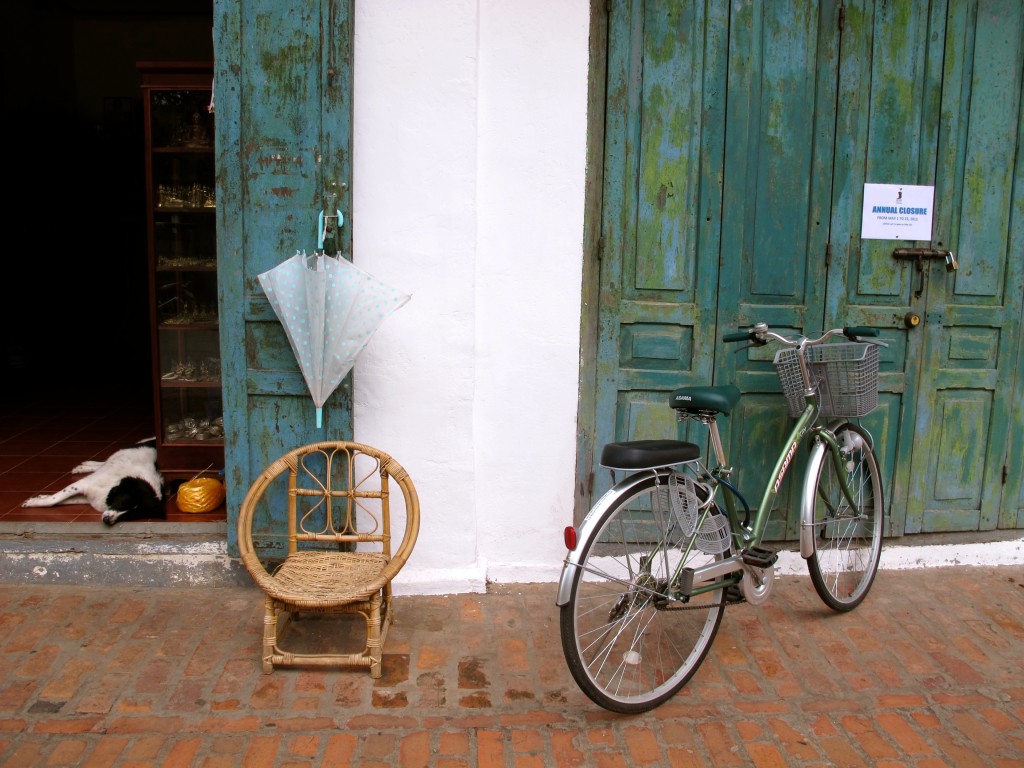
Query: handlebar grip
[853,331]
[732,336]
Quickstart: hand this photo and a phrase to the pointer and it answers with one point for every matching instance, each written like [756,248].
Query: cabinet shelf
[185,327]
[182,259]
[181,150]
[186,265]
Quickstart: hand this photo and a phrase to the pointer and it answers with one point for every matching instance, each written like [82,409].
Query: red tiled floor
[43,438]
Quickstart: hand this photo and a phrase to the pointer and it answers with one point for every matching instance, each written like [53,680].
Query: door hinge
[1006,474]
[600,248]
[828,255]
[842,15]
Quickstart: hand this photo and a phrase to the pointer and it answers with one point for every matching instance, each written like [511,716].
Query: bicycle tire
[629,644]
[847,540]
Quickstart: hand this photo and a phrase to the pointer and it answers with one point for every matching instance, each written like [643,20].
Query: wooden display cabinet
[182,244]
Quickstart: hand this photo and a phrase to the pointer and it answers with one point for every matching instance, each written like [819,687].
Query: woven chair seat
[323,579]
[330,503]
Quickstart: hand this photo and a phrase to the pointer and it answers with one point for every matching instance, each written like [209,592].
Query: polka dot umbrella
[329,309]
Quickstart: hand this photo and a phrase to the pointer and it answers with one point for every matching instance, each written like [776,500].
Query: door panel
[1011,514]
[886,132]
[662,215]
[783,61]
[283,96]
[966,393]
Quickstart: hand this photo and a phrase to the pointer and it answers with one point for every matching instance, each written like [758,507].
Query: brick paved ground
[927,672]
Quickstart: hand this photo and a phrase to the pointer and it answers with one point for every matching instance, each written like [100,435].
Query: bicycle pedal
[759,557]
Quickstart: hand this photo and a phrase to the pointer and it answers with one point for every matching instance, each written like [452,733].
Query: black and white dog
[127,486]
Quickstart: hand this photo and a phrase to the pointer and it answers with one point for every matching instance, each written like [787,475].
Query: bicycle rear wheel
[847,538]
[630,640]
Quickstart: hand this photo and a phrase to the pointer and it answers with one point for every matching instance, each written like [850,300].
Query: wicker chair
[338,554]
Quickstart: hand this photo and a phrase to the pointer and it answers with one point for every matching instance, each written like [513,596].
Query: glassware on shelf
[185,196]
[206,370]
[191,428]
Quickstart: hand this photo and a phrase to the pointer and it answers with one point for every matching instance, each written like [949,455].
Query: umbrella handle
[322,226]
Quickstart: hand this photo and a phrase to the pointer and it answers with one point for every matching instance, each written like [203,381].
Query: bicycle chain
[687,607]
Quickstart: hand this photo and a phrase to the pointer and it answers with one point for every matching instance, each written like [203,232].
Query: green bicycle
[652,566]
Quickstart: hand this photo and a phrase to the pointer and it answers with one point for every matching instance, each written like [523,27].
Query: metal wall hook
[328,224]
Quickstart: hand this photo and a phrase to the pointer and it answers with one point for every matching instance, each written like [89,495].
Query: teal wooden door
[662,215]
[820,98]
[968,388]
[719,131]
[930,95]
[283,90]
[887,127]
[781,100]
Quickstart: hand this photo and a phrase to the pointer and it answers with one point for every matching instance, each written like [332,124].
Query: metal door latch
[918,256]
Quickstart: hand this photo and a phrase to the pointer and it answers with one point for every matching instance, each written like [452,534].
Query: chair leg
[374,644]
[269,634]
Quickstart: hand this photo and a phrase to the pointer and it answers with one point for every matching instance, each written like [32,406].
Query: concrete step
[161,554]
[144,554]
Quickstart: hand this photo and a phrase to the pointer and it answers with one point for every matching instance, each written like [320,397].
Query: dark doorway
[74,317]
[75,310]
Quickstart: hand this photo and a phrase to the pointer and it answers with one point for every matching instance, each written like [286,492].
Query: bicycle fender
[588,528]
[819,452]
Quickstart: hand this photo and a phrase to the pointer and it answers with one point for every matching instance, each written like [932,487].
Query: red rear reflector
[570,538]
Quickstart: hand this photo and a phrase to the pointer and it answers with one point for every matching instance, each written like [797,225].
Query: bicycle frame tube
[800,430]
[730,494]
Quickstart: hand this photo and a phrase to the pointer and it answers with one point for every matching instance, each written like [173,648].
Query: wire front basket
[845,375]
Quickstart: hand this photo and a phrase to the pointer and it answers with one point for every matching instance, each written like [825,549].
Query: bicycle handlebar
[760,335]
[852,331]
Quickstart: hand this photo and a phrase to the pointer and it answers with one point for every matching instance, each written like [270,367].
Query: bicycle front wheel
[630,639]
[847,537]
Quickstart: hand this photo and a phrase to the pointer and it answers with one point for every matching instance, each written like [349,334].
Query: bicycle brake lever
[876,342]
[754,343]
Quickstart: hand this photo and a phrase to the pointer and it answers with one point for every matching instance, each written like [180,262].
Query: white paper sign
[897,212]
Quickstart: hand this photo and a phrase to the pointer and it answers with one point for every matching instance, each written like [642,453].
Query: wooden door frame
[593,203]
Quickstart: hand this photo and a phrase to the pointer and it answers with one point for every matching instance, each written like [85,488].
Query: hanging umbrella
[329,309]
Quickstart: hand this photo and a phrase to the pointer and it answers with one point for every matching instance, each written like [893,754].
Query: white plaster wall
[470,138]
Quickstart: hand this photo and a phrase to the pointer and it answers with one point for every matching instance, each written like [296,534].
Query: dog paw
[86,466]
[36,501]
